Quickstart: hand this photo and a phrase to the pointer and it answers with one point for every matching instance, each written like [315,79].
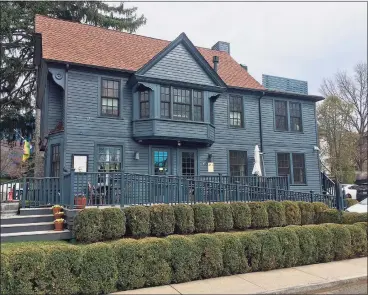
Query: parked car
[350,190]
[361,207]
[362,191]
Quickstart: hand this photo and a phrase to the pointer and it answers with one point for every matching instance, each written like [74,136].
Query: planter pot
[59,226]
[58,215]
[80,202]
[56,210]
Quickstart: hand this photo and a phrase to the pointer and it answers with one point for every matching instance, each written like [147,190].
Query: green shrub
[276,213]
[324,240]
[289,242]
[157,261]
[350,202]
[271,255]
[162,219]
[319,207]
[330,216]
[5,275]
[185,258]
[241,215]
[307,245]
[184,219]
[358,240]
[363,225]
[292,213]
[341,241]
[203,218]
[259,214]
[307,213]
[63,265]
[223,216]
[130,264]
[232,254]
[353,217]
[87,226]
[98,269]
[113,223]
[252,248]
[211,264]
[138,221]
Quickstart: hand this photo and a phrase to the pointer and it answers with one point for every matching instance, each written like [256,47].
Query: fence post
[24,193]
[288,182]
[220,187]
[339,200]
[312,196]
[277,193]
[237,192]
[71,197]
[122,190]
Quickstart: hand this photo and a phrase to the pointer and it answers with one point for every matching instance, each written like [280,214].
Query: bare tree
[11,160]
[352,89]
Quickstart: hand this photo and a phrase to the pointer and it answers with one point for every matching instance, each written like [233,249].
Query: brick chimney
[222,46]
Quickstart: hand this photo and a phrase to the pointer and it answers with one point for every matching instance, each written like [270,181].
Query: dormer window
[144,105]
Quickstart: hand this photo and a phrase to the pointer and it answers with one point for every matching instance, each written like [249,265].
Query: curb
[319,286]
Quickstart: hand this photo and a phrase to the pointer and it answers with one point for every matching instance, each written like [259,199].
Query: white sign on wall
[211,167]
[80,163]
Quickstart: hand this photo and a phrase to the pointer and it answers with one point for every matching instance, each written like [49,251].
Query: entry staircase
[32,224]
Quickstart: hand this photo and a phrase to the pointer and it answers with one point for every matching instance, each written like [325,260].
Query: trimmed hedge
[292,213]
[363,225]
[126,264]
[223,216]
[113,223]
[184,219]
[319,207]
[276,213]
[259,214]
[138,221]
[241,215]
[162,220]
[353,217]
[330,216]
[204,221]
[87,226]
[307,213]
[351,202]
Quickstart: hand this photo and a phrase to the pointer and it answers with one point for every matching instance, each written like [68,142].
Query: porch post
[71,197]
[24,193]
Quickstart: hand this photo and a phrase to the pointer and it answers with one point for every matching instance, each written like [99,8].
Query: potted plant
[80,201]
[59,224]
[56,209]
[58,215]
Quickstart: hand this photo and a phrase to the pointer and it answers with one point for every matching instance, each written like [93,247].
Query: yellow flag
[26,151]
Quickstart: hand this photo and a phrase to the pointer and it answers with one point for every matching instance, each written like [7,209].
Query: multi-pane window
[109,158]
[197,105]
[238,163]
[236,111]
[188,163]
[144,105]
[55,160]
[295,163]
[298,168]
[165,102]
[161,162]
[182,104]
[283,164]
[110,98]
[295,116]
[281,118]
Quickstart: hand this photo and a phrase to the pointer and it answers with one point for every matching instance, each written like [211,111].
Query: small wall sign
[80,162]
[211,167]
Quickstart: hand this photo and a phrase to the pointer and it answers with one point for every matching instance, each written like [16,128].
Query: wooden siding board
[55,105]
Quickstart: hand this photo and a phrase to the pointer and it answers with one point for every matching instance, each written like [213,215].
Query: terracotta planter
[58,215]
[80,202]
[59,226]
[56,210]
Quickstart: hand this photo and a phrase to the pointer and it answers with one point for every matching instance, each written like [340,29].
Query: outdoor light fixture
[179,143]
[316,148]
[136,155]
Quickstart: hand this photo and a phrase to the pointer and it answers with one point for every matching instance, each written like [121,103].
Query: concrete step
[47,235]
[26,227]
[35,211]
[24,219]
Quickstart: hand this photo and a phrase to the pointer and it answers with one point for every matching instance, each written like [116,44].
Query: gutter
[260,121]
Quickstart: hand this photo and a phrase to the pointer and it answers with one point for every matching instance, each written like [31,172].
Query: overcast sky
[306,41]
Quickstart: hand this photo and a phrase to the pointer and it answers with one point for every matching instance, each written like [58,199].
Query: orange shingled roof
[85,44]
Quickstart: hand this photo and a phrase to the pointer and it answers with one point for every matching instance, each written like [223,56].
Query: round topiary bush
[292,213]
[289,242]
[184,219]
[203,218]
[252,248]
[162,220]
[363,225]
[87,226]
[241,215]
[330,216]
[271,252]
[307,245]
[350,202]
[341,242]
[113,223]
[223,216]
[138,221]
[324,240]
[358,240]
[276,213]
[307,213]
[259,214]
[353,217]
[319,207]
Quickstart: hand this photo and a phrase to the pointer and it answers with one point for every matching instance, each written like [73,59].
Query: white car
[350,190]
[361,207]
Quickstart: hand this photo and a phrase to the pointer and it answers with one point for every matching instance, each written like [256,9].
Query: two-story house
[121,101]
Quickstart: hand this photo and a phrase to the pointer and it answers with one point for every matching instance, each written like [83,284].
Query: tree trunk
[39,156]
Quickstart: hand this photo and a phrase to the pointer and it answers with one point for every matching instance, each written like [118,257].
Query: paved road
[355,288]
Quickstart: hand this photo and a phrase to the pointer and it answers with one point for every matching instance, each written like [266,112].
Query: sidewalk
[288,280]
